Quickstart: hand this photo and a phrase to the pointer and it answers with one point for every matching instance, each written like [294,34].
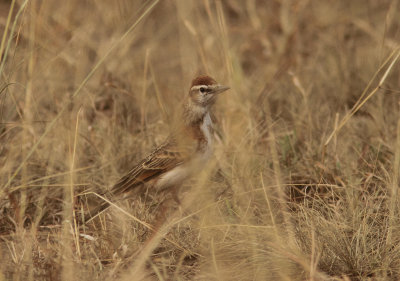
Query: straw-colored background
[304,185]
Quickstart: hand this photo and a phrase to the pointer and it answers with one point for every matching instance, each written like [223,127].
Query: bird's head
[204,91]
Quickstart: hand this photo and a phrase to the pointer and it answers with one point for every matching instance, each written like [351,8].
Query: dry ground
[305,181]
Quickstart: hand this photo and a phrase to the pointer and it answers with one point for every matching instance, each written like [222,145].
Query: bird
[183,154]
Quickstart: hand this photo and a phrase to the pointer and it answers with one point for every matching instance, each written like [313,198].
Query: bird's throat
[194,113]
[198,124]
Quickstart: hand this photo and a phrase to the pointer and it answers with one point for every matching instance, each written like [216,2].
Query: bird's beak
[219,89]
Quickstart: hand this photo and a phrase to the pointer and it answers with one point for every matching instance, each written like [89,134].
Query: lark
[184,153]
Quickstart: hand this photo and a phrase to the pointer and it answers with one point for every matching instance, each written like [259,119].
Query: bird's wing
[161,160]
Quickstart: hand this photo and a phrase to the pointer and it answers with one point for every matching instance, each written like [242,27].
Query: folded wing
[163,159]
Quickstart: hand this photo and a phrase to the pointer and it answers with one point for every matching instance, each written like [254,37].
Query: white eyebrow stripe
[197,87]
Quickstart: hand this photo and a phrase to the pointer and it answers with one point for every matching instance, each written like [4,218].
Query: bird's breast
[206,147]
[202,134]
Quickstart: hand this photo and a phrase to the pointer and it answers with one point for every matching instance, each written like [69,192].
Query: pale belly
[179,174]
[173,177]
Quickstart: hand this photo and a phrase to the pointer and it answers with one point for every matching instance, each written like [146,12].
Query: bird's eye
[202,89]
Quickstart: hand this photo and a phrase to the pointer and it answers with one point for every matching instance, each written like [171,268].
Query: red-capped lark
[184,153]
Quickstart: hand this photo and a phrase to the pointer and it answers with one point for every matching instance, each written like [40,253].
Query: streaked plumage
[184,152]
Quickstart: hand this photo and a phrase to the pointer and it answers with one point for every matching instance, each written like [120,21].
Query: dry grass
[305,181]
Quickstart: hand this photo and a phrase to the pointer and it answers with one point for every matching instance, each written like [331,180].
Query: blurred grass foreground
[304,184]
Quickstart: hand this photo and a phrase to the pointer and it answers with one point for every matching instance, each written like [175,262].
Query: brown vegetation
[305,181]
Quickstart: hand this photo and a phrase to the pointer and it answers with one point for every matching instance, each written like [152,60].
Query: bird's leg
[166,207]
[174,193]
